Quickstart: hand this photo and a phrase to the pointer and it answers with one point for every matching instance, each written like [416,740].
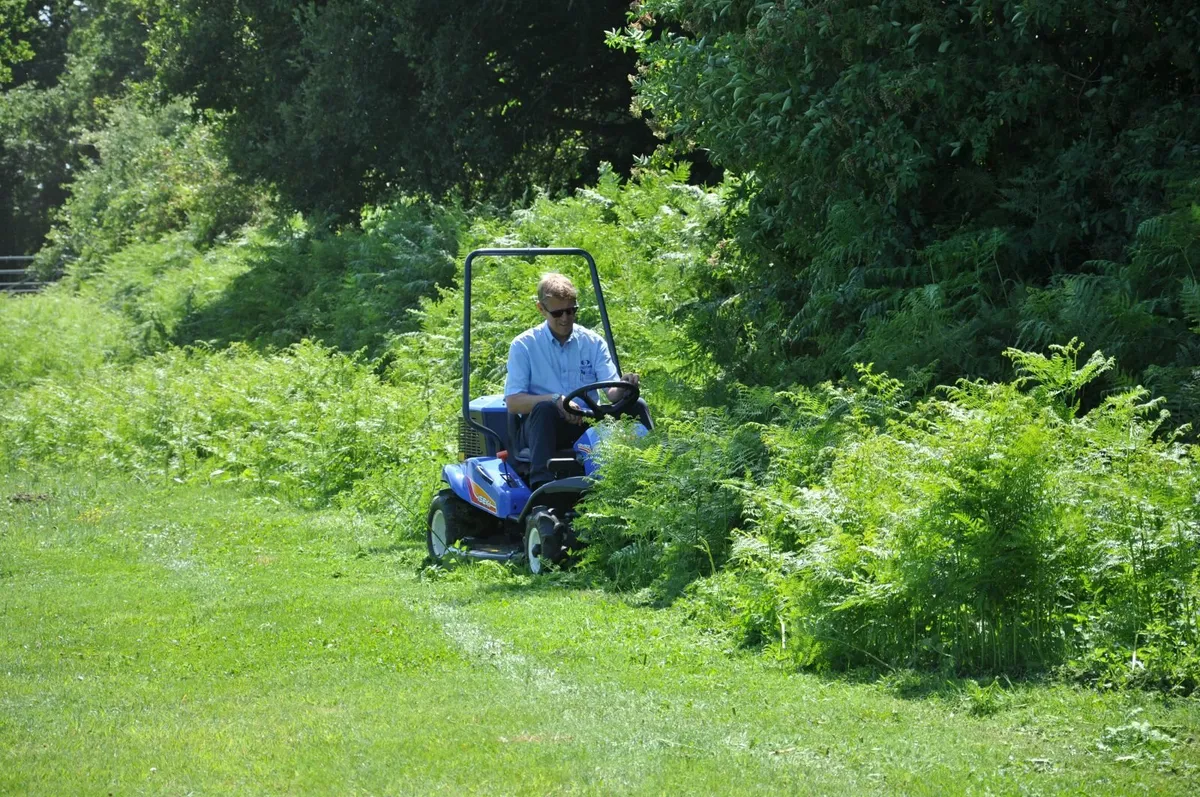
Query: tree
[915,169]
[82,56]
[15,25]
[342,102]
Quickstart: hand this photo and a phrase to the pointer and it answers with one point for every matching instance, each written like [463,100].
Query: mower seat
[562,461]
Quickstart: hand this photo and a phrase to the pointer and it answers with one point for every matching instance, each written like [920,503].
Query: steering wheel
[596,410]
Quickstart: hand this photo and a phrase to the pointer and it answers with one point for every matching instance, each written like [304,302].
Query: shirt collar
[545,328]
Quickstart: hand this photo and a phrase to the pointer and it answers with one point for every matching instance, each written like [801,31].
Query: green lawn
[192,640]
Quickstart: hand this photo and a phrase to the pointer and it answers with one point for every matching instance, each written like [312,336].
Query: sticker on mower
[480,498]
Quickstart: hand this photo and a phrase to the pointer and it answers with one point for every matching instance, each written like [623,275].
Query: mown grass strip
[203,640]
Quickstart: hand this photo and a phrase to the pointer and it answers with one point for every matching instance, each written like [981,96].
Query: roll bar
[466,363]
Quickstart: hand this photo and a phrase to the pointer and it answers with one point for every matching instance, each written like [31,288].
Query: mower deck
[490,549]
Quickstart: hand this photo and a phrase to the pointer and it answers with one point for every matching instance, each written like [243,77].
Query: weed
[984,701]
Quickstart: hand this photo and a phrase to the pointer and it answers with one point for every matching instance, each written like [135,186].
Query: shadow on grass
[918,685]
[491,579]
[978,695]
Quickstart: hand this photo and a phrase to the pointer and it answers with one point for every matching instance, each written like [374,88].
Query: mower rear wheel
[447,523]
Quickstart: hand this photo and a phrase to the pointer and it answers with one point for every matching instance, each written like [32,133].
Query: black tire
[542,542]
[447,523]
[533,549]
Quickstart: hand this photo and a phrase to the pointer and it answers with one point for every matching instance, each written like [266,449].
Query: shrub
[308,424]
[255,400]
[352,288]
[995,528]
[923,180]
[662,514]
[158,171]
[161,287]
[646,234]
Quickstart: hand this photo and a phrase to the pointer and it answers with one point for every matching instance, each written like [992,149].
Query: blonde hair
[557,286]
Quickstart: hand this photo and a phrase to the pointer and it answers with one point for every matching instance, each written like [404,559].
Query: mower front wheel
[543,543]
[533,549]
[446,524]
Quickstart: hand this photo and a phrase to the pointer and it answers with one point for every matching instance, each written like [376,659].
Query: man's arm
[521,403]
[606,371]
[516,382]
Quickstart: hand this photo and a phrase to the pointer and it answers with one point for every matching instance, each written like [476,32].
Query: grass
[204,640]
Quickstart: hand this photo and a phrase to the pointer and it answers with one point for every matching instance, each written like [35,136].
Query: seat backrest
[514,455]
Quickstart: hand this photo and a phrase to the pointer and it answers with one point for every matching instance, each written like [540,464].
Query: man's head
[557,304]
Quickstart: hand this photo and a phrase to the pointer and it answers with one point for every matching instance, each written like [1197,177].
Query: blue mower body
[490,484]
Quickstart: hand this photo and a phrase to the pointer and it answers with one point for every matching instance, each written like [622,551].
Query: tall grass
[307,424]
[57,335]
[323,366]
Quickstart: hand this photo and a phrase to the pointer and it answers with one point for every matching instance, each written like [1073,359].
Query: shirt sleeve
[518,376]
[605,370]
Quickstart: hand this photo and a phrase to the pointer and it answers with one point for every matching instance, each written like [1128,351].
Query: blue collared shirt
[538,364]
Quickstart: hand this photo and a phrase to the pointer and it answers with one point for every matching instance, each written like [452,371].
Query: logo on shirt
[587,370]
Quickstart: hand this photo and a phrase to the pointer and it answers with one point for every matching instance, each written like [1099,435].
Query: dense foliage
[340,103]
[916,185]
[927,182]
[993,529]
[157,227]
[14,47]
[93,371]
[156,172]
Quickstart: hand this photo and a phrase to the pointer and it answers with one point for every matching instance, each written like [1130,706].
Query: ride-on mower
[488,510]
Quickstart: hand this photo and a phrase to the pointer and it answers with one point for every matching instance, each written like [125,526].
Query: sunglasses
[569,310]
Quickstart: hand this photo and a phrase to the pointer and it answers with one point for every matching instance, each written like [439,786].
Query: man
[547,363]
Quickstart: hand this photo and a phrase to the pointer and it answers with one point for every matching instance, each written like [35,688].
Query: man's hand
[615,393]
[571,418]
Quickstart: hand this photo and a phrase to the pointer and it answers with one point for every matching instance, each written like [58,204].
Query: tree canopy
[919,173]
[340,102]
[916,183]
[14,46]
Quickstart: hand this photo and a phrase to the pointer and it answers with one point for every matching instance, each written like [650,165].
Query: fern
[1056,380]
[1189,299]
